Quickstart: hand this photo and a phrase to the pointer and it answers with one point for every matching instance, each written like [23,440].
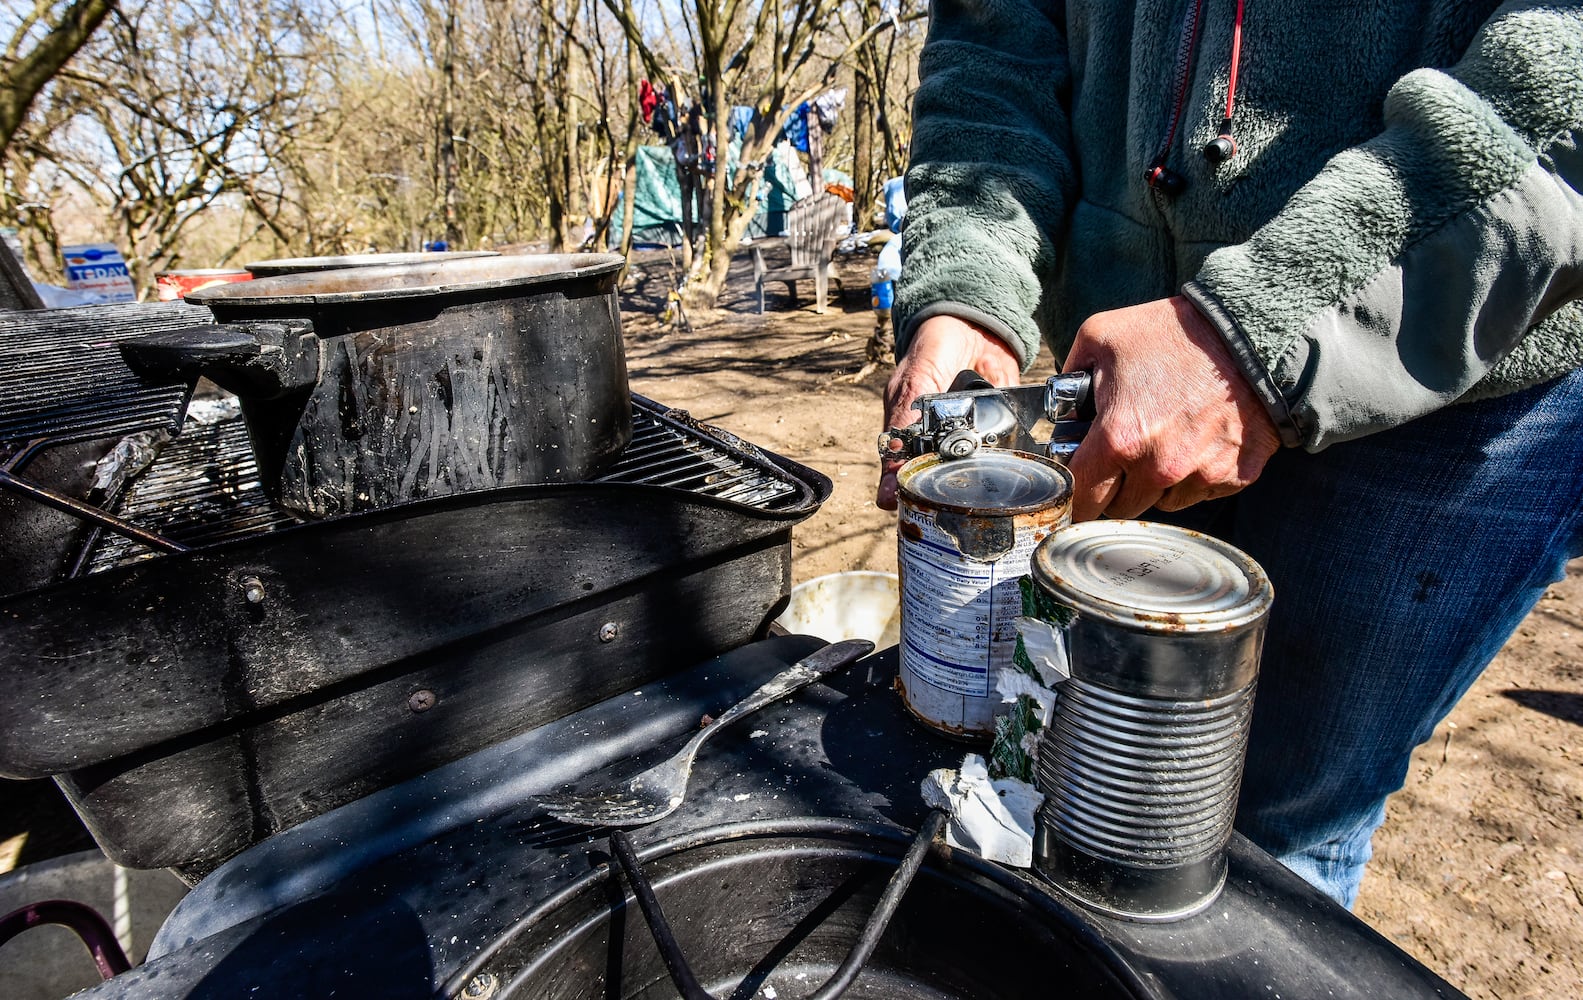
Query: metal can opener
[1049,418]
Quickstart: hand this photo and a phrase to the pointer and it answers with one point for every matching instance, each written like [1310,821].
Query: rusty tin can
[1142,762]
[966,529]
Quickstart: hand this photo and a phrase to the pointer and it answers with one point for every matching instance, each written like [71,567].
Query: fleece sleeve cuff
[1022,344]
[1247,359]
[1412,266]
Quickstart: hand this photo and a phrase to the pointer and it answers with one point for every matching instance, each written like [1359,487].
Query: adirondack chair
[813,228]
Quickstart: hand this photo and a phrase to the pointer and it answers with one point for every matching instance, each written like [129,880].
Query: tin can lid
[989,481]
[1152,577]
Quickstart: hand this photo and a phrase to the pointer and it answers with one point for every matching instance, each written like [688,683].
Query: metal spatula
[657,792]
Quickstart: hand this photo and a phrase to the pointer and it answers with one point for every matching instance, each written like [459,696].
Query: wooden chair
[813,228]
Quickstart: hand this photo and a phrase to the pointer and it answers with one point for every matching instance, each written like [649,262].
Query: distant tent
[658,202]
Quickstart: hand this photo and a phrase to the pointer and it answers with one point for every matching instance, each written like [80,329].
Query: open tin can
[966,529]
[1141,765]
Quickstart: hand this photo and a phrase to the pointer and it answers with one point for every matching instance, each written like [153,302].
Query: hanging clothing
[648,99]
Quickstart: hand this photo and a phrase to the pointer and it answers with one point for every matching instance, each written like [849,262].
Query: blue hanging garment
[741,120]
[797,128]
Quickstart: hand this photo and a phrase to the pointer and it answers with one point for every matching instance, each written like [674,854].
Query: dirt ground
[1478,871]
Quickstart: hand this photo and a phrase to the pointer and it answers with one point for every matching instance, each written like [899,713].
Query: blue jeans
[1401,564]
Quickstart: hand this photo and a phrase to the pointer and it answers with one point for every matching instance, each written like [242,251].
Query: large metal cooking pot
[369,386]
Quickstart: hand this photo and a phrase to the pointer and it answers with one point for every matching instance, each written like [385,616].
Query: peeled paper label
[959,613]
[1011,684]
[993,819]
[1045,645]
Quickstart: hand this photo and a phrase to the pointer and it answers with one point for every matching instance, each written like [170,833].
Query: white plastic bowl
[859,604]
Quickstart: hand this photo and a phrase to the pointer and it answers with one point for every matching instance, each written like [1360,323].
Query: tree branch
[22,77]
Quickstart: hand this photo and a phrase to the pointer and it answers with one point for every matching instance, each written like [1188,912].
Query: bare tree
[883,79]
[763,54]
[161,118]
[550,77]
[52,32]
[447,143]
[615,76]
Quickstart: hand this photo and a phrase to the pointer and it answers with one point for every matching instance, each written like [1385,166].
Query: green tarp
[658,202]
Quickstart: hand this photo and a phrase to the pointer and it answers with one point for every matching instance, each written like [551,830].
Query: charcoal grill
[336,729]
[255,669]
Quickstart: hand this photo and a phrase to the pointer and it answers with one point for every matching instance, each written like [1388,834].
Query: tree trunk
[865,190]
[706,292]
[628,212]
[448,168]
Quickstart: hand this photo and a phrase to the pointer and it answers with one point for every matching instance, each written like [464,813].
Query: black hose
[875,928]
[857,957]
[670,951]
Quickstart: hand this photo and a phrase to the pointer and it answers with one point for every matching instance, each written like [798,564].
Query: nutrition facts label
[958,614]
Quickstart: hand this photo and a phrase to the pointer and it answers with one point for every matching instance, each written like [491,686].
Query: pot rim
[882,842]
[384,282]
[277,266]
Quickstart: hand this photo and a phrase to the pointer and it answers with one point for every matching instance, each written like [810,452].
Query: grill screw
[253,589]
[608,632]
[421,700]
[480,987]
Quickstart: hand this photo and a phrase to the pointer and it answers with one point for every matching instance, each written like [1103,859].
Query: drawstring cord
[1214,150]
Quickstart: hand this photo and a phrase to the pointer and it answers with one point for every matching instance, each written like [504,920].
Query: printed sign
[99,269]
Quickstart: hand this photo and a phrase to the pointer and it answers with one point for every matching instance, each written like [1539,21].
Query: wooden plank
[136,657]
[191,805]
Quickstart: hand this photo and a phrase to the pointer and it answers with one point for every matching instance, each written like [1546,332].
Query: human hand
[1177,422]
[942,347]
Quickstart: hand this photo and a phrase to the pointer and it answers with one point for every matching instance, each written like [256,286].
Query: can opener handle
[1047,418]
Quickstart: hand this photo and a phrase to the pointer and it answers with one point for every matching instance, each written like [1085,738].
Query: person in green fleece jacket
[1325,262]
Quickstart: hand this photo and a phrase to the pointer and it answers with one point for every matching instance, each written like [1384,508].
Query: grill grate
[670,449]
[64,378]
[205,489]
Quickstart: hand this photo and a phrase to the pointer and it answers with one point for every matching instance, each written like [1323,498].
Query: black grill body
[193,703]
[457,885]
[336,730]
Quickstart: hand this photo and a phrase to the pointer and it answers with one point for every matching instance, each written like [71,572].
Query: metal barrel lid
[1152,577]
[991,481]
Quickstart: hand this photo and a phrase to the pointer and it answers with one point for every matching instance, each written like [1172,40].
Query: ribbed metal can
[1142,762]
[966,530]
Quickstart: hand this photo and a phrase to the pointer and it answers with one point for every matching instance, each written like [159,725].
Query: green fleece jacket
[1401,227]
